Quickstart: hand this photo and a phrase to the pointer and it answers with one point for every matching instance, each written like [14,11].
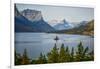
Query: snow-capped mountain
[53,22]
[63,25]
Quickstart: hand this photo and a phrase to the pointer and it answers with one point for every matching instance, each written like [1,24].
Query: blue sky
[71,14]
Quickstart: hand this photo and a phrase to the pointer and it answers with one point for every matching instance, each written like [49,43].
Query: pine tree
[53,55]
[62,54]
[91,55]
[17,59]
[72,55]
[41,59]
[25,58]
[44,59]
[81,53]
[67,54]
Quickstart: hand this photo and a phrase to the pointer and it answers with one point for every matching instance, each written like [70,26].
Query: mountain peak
[64,20]
[24,21]
[63,25]
[32,15]
[16,11]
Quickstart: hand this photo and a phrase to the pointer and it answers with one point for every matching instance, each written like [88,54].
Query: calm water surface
[35,43]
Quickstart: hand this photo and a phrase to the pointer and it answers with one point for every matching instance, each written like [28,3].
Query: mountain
[30,21]
[82,23]
[36,18]
[22,24]
[63,25]
[53,22]
[32,15]
[87,29]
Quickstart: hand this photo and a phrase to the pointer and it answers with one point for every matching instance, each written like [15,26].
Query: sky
[58,13]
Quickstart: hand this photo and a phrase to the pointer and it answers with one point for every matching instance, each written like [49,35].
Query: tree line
[57,55]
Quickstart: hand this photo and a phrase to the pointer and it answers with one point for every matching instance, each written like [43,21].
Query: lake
[35,43]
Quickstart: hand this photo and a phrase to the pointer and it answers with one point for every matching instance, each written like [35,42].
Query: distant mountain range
[82,23]
[30,21]
[63,25]
[84,29]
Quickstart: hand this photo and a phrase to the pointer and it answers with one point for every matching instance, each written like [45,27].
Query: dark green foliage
[81,53]
[42,59]
[57,55]
[53,55]
[25,58]
[62,54]
[22,60]
[67,54]
[33,61]
[91,55]
[72,55]
[17,59]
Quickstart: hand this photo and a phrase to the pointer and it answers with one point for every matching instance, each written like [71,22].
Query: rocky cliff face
[16,12]
[30,21]
[32,15]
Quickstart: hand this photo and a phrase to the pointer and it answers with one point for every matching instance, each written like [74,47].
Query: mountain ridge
[63,25]
[87,29]
[23,24]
